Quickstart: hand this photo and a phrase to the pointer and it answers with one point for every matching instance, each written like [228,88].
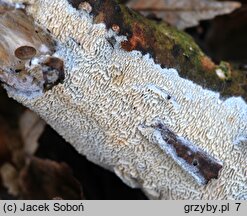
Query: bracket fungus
[106,100]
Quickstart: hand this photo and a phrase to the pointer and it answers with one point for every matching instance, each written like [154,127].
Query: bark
[169,47]
[106,88]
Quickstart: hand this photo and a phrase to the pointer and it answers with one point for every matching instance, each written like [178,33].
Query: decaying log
[168,47]
[99,76]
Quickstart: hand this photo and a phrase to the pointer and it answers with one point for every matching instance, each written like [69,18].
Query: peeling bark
[202,165]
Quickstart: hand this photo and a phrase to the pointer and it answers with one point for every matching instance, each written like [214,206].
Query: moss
[225,69]
[173,48]
[168,46]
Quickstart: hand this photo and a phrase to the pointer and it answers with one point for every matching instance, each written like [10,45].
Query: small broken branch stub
[201,163]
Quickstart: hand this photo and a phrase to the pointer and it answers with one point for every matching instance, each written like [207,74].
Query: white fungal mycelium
[108,93]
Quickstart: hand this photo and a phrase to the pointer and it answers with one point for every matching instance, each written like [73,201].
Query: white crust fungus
[108,93]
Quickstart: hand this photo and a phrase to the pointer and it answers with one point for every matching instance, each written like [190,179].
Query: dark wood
[25,52]
[205,165]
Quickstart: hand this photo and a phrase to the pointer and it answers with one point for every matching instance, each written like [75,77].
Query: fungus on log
[103,76]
